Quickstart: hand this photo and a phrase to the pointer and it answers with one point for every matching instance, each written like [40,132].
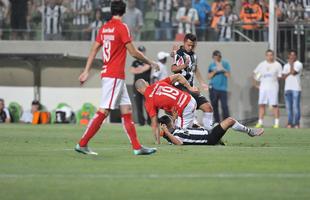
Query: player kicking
[114,39]
[185,63]
[163,95]
[201,136]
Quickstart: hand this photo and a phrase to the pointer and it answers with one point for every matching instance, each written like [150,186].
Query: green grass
[37,162]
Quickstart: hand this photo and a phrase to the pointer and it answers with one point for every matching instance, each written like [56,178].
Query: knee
[206,107]
[231,121]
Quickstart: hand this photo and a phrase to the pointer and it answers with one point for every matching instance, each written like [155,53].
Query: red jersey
[113,36]
[162,95]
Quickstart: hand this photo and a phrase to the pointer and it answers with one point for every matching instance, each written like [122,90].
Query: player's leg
[128,124]
[236,126]
[206,108]
[111,88]
[91,130]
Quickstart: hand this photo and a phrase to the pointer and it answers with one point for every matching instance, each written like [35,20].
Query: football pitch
[38,163]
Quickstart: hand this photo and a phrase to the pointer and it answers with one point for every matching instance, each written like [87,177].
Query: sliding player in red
[114,40]
[162,95]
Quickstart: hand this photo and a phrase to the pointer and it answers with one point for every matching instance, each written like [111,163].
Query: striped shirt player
[182,57]
[114,40]
[185,63]
[201,136]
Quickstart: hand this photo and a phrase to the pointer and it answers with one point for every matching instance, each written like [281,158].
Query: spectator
[4,113]
[251,14]
[162,72]
[225,23]
[218,73]
[81,10]
[163,23]
[140,70]
[187,18]
[203,9]
[267,73]
[53,17]
[217,10]
[18,18]
[134,20]
[27,116]
[95,25]
[3,13]
[291,73]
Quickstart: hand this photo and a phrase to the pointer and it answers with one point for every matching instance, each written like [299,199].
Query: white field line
[162,176]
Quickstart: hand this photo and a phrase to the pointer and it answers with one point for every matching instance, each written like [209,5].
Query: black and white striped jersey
[190,136]
[180,58]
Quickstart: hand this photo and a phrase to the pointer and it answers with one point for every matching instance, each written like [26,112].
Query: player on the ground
[185,63]
[163,95]
[201,136]
[114,39]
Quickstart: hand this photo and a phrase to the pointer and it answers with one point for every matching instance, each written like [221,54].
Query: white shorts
[114,93]
[187,118]
[270,97]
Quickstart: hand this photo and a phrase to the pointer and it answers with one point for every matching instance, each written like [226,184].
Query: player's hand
[175,48]
[155,66]
[83,77]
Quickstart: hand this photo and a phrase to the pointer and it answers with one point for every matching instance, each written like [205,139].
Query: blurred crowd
[146,19]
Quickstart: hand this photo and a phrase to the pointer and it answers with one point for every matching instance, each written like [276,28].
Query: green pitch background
[38,162]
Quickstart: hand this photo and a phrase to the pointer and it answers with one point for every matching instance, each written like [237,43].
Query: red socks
[96,122]
[92,128]
[131,131]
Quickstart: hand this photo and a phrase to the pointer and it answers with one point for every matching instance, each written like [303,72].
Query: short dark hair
[293,51]
[269,51]
[2,100]
[118,8]
[165,119]
[191,37]
[35,102]
[217,53]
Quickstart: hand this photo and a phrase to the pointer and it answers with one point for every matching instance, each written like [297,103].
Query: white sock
[260,121]
[207,120]
[241,128]
[276,121]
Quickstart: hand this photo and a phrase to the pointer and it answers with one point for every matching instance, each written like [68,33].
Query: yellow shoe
[259,125]
[276,126]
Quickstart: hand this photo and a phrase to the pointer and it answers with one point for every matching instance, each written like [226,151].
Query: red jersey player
[114,40]
[162,95]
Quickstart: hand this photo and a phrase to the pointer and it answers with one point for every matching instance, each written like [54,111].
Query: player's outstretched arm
[155,129]
[93,52]
[179,78]
[171,137]
[134,52]
[201,81]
